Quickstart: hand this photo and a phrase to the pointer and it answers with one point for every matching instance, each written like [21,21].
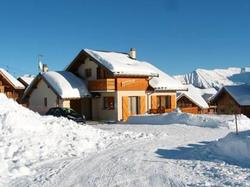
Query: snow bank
[27,138]
[234,148]
[192,119]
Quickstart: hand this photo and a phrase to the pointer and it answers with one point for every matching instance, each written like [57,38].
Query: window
[108,103]
[164,101]
[45,101]
[133,105]
[88,72]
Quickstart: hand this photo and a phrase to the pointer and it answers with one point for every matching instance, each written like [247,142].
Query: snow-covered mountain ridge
[216,78]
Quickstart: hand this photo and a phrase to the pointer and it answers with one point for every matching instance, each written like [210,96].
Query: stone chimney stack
[132,53]
[45,68]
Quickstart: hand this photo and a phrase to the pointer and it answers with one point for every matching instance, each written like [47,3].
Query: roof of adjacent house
[26,79]
[12,80]
[164,81]
[197,96]
[240,93]
[65,84]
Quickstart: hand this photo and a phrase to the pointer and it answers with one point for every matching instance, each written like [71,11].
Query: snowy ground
[58,152]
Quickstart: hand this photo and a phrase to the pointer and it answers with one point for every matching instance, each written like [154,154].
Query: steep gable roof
[240,93]
[195,95]
[65,84]
[121,63]
[12,80]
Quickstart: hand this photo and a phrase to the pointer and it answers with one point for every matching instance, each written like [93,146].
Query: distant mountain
[216,78]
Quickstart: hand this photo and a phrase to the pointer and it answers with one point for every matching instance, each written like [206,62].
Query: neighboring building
[121,85]
[51,89]
[233,99]
[26,80]
[10,86]
[196,100]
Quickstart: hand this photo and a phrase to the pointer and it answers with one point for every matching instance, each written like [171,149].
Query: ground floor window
[108,103]
[134,105]
[164,102]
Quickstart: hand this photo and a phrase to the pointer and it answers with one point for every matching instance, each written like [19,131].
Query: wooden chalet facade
[195,100]
[10,86]
[233,100]
[116,94]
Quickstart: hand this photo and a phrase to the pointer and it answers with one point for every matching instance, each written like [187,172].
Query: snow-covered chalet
[105,85]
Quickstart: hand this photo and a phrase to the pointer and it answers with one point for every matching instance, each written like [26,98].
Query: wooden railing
[193,110]
[160,111]
[101,84]
[12,95]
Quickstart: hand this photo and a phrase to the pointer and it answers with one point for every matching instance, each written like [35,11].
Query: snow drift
[235,148]
[203,120]
[27,138]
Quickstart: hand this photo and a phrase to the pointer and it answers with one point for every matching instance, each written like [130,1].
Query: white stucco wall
[99,113]
[36,100]
[88,64]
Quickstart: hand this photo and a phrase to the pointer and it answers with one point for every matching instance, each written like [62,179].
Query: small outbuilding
[195,100]
[10,86]
[56,89]
[233,99]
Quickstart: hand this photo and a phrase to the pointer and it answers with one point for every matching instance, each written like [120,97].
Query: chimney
[132,53]
[45,68]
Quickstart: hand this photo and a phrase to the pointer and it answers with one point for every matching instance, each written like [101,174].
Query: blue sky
[177,36]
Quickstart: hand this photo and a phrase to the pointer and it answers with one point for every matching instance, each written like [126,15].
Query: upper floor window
[88,72]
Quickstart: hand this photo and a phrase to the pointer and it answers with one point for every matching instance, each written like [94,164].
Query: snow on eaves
[121,63]
[13,80]
[66,84]
[27,79]
[195,95]
[240,93]
[163,81]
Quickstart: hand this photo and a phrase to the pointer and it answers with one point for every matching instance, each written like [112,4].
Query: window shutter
[125,112]
[153,102]
[142,105]
[173,101]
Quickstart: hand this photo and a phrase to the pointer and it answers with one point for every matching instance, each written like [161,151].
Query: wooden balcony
[101,85]
[12,95]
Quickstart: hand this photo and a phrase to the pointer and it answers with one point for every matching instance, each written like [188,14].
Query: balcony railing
[101,84]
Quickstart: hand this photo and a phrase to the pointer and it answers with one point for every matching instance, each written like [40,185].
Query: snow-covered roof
[121,63]
[66,84]
[163,81]
[27,79]
[240,93]
[195,95]
[16,84]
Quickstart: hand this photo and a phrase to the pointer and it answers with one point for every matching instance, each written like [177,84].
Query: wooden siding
[101,85]
[130,84]
[227,105]
[7,88]
[125,111]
